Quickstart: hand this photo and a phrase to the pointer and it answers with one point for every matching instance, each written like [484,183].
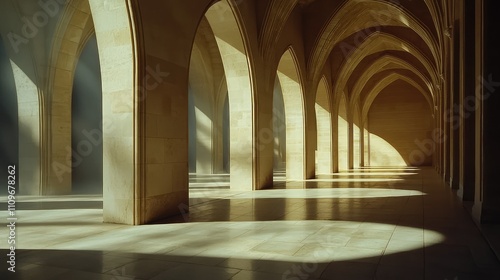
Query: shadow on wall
[399,121]
[279,127]
[194,134]
[87,174]
[9,129]
[226,132]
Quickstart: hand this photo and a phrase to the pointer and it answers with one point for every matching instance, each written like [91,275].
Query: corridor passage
[362,224]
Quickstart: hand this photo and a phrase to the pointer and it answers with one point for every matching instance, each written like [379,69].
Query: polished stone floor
[363,224]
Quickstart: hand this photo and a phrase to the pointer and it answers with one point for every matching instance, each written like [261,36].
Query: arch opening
[279,130]
[86,119]
[392,142]
[292,92]
[220,82]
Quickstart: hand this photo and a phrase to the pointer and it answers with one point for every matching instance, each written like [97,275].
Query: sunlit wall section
[366,144]
[112,22]
[208,87]
[191,132]
[202,89]
[343,134]
[357,141]
[294,111]
[324,130]
[236,68]
[279,128]
[224,131]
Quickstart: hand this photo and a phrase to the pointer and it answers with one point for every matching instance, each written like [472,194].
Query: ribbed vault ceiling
[366,43]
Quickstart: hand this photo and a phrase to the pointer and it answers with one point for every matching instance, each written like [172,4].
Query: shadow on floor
[85,265]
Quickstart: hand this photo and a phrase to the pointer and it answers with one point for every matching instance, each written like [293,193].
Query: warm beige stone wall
[150,56]
[292,73]
[357,137]
[164,73]
[324,150]
[74,28]
[124,155]
[400,123]
[343,135]
[240,94]
[279,128]
[206,75]
[294,112]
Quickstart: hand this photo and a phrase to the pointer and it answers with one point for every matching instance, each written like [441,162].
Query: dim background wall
[398,118]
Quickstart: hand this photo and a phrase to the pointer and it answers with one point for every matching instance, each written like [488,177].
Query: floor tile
[349,270]
[368,228]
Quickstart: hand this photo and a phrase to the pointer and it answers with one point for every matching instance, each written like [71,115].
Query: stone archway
[292,88]
[74,29]
[240,93]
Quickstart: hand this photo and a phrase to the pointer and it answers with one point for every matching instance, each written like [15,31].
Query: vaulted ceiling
[368,39]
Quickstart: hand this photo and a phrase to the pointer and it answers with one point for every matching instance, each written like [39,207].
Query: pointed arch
[293,96]
[387,62]
[73,31]
[379,43]
[202,90]
[383,83]
[385,112]
[231,41]
[340,26]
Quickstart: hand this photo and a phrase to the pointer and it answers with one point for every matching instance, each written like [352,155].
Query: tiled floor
[365,224]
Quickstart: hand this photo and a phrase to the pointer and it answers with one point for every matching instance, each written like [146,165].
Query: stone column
[121,146]
[446,93]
